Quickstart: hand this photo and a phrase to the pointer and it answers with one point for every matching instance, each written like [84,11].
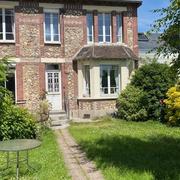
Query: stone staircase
[58,120]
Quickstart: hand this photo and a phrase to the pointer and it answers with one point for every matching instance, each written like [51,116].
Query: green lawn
[131,151]
[47,160]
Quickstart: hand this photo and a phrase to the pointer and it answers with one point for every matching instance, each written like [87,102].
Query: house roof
[147,42]
[105,52]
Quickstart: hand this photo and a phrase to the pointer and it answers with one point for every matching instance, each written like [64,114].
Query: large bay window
[90,30]
[104,27]
[52,27]
[109,79]
[7,28]
[119,27]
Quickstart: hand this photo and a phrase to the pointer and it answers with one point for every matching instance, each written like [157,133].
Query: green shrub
[15,122]
[154,79]
[173,106]
[3,69]
[131,104]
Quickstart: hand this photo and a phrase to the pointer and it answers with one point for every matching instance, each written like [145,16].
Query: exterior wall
[7,50]
[33,53]
[95,108]
[130,28]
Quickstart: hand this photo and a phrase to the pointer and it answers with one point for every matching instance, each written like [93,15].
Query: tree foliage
[169,40]
[130,104]
[154,79]
[173,106]
[15,122]
[3,69]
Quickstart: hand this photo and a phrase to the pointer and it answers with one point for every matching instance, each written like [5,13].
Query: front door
[53,88]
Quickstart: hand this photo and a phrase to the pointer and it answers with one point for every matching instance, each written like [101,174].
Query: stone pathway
[80,168]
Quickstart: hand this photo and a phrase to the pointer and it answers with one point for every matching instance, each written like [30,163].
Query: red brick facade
[30,49]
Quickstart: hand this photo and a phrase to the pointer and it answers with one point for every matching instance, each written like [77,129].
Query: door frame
[60,86]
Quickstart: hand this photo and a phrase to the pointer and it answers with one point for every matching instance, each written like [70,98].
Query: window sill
[52,43]
[99,98]
[7,42]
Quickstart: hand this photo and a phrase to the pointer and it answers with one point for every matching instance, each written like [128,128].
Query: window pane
[89,18]
[50,82]
[48,26]
[104,79]
[48,37]
[119,28]
[113,79]
[1,24]
[9,12]
[100,38]
[52,27]
[56,37]
[55,23]
[56,82]
[9,24]
[107,27]
[87,79]
[9,36]
[108,38]
[109,79]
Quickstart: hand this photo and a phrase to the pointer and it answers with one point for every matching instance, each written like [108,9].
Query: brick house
[80,52]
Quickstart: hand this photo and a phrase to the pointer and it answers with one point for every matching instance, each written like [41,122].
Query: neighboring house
[81,53]
[147,48]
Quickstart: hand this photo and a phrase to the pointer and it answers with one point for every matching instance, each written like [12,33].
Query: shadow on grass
[158,155]
[25,170]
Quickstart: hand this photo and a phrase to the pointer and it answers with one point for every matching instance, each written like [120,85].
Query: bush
[154,79]
[15,122]
[173,106]
[131,104]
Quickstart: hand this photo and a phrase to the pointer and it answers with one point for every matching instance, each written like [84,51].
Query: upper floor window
[7,28]
[119,27]
[90,30]
[52,27]
[109,76]
[104,27]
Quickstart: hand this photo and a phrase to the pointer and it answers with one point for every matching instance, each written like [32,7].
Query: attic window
[142,37]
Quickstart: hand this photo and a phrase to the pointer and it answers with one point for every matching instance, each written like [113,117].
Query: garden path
[79,166]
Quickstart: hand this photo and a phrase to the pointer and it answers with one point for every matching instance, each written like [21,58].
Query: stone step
[57,112]
[58,117]
[64,126]
[59,122]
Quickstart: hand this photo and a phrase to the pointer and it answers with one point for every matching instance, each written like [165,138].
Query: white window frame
[119,35]
[4,40]
[89,42]
[109,83]
[104,28]
[51,11]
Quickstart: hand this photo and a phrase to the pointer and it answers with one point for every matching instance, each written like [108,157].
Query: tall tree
[169,40]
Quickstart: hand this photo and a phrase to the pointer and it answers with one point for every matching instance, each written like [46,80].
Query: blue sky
[145,16]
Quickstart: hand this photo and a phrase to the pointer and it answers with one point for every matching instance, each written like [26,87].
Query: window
[104,27]
[119,27]
[52,31]
[109,79]
[90,29]
[7,25]
[86,80]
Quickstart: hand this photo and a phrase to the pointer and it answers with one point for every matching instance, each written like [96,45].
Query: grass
[47,160]
[130,150]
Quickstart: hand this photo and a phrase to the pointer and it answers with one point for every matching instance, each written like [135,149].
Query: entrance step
[59,120]
[57,112]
